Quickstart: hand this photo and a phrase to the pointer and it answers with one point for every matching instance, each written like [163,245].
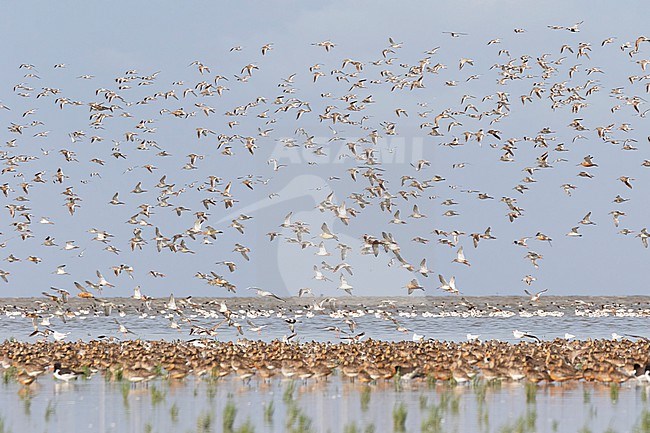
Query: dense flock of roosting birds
[624,357]
[603,361]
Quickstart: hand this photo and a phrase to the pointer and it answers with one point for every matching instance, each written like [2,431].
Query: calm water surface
[95,405]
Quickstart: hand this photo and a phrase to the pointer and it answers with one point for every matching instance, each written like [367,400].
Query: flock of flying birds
[338,112]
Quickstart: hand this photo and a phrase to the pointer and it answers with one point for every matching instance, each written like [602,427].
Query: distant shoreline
[348,301]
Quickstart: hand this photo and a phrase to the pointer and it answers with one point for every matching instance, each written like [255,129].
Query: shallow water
[229,405]
[391,319]
[96,405]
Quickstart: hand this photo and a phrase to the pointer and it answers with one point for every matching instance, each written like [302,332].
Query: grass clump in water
[246,427]
[173,413]
[424,401]
[523,424]
[531,393]
[211,391]
[483,416]
[480,390]
[269,410]
[433,422]
[455,405]
[9,374]
[27,404]
[157,396]
[119,375]
[399,417]
[365,398]
[643,425]
[287,396]
[204,423]
[613,392]
[49,411]
[297,421]
[86,372]
[229,414]
[125,389]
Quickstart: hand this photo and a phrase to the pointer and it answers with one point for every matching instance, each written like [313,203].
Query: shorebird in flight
[413,285]
[534,297]
[519,335]
[448,286]
[264,293]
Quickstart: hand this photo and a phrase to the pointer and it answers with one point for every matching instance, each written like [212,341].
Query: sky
[168,42]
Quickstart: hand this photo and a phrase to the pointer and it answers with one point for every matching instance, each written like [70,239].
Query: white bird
[518,334]
[322,251]
[64,374]
[644,377]
[265,293]
[535,297]
[460,257]
[345,286]
[319,275]
[171,303]
[254,327]
[287,221]
[304,291]
[423,268]
[448,286]
[396,219]
[102,281]
[587,220]
[326,233]
[69,245]
[60,270]
[123,329]
[574,232]
[528,279]
[416,213]
[137,294]
[58,336]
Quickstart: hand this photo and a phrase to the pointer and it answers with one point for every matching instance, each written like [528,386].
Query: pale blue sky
[107,39]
